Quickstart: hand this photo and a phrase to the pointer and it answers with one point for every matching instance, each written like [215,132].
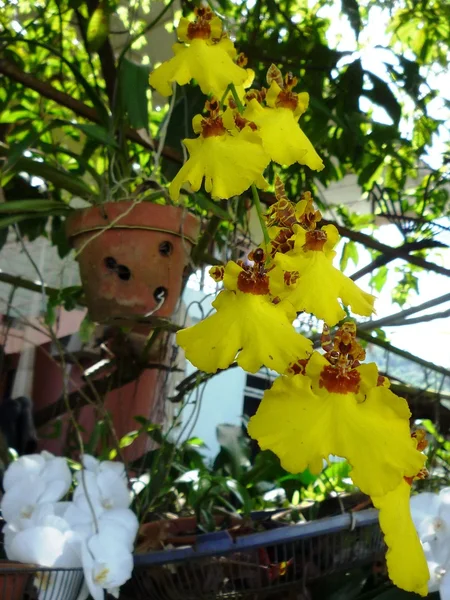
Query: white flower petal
[116,467]
[112,564]
[444,588]
[90,463]
[37,545]
[424,505]
[113,490]
[123,523]
[57,469]
[31,464]
[95,590]
[54,490]
[20,500]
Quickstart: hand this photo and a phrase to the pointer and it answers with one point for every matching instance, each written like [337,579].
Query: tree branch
[407,355]
[401,315]
[26,284]
[46,90]
[404,250]
[399,252]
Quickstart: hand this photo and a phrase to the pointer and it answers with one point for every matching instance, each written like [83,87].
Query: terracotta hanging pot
[130,255]
[14,577]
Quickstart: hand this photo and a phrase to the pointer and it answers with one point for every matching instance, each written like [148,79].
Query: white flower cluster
[95,531]
[431,516]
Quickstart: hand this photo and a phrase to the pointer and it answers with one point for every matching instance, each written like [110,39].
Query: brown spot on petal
[213,127]
[274,74]
[287,99]
[336,381]
[283,242]
[217,273]
[315,240]
[252,283]
[258,255]
[199,31]
[213,107]
[421,439]
[241,60]
[240,122]
[291,277]
[298,367]
[290,81]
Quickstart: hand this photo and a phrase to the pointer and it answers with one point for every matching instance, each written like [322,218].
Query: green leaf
[370,172]
[97,133]
[234,450]
[87,329]
[133,83]
[20,206]
[12,219]
[91,93]
[213,207]
[98,27]
[196,441]
[379,279]
[128,439]
[382,95]
[58,177]
[350,251]
[58,236]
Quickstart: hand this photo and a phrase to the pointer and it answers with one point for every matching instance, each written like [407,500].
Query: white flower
[20,501]
[95,531]
[107,564]
[31,481]
[106,490]
[122,522]
[45,466]
[46,540]
[431,516]
[91,463]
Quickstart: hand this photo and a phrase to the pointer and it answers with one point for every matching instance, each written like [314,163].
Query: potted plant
[132,242]
[132,256]
[78,539]
[14,578]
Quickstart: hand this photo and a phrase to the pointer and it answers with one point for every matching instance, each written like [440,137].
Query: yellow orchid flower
[230,159]
[320,284]
[405,558]
[335,407]
[206,56]
[278,123]
[246,325]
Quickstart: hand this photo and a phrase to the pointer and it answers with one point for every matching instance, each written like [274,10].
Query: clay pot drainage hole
[123,272]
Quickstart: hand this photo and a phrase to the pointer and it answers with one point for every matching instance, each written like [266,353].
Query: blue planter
[219,566]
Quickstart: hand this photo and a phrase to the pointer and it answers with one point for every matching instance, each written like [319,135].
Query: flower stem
[259,210]
[236,98]
[222,100]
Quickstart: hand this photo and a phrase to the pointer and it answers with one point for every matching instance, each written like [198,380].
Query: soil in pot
[131,255]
